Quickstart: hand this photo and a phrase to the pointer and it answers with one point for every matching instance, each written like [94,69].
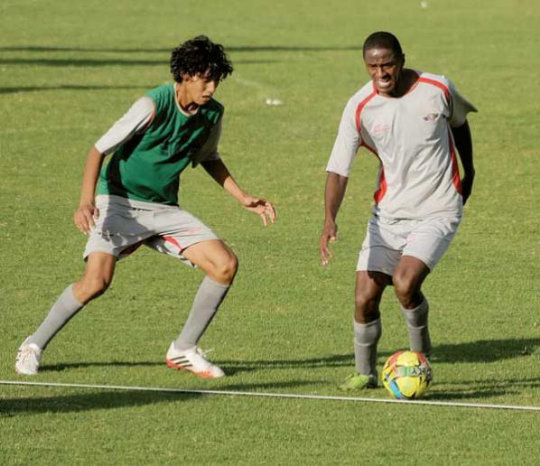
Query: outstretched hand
[262,208]
[466,186]
[84,217]
[329,235]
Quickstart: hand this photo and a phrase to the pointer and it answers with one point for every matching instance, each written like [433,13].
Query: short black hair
[200,56]
[385,40]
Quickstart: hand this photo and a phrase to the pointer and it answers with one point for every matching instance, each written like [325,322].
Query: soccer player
[413,122]
[136,201]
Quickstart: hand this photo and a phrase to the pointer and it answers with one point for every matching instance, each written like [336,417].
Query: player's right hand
[328,235]
[84,217]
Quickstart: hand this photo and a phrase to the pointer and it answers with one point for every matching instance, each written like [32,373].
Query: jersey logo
[381,128]
[431,117]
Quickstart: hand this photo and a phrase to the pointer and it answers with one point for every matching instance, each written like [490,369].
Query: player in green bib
[133,201]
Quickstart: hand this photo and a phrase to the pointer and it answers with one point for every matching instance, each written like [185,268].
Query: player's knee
[405,287]
[92,287]
[366,307]
[225,269]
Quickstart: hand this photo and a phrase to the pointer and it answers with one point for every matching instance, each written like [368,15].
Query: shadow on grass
[92,62]
[230,367]
[533,382]
[88,402]
[83,365]
[110,399]
[485,389]
[485,350]
[253,48]
[74,62]
[67,87]
[337,360]
[476,351]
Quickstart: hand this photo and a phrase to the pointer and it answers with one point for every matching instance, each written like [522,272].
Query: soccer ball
[406,375]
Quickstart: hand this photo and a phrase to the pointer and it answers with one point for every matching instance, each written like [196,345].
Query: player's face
[384,68]
[200,88]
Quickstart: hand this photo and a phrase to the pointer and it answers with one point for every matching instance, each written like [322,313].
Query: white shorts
[124,225]
[387,240]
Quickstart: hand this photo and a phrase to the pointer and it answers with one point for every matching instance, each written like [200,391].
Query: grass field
[68,70]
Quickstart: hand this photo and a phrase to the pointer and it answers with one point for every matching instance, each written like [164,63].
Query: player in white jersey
[415,123]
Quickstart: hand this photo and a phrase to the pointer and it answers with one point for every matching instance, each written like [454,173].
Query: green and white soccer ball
[406,375]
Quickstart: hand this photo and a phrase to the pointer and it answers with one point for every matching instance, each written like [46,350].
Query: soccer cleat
[193,360]
[354,382]
[28,357]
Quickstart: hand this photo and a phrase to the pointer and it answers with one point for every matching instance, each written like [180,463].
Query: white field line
[271,395]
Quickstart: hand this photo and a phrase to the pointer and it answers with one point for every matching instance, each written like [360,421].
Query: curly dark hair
[385,40]
[200,56]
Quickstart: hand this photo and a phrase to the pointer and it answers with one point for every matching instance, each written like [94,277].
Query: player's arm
[463,140]
[335,188]
[135,121]
[338,168]
[460,107]
[86,213]
[220,173]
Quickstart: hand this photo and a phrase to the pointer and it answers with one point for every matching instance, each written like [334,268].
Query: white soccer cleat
[193,360]
[28,358]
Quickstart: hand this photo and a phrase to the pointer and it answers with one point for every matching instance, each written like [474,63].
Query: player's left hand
[262,208]
[466,186]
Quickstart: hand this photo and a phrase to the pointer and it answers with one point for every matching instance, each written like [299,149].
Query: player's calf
[417,325]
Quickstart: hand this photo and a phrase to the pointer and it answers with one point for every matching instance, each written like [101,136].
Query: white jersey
[411,136]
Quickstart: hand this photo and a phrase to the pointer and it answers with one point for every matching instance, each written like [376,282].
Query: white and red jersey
[411,136]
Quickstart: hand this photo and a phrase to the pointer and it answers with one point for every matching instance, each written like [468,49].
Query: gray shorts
[387,240]
[124,225]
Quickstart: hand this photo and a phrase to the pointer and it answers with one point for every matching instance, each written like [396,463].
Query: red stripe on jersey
[455,167]
[172,240]
[438,84]
[369,148]
[379,194]
[360,107]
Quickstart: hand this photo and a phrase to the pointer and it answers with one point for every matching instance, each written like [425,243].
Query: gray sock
[62,311]
[417,324]
[205,306]
[366,337]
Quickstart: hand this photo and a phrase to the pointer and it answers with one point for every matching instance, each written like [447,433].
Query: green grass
[70,69]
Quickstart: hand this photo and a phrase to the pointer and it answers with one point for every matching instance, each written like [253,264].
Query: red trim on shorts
[360,107]
[456,179]
[438,84]
[173,241]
